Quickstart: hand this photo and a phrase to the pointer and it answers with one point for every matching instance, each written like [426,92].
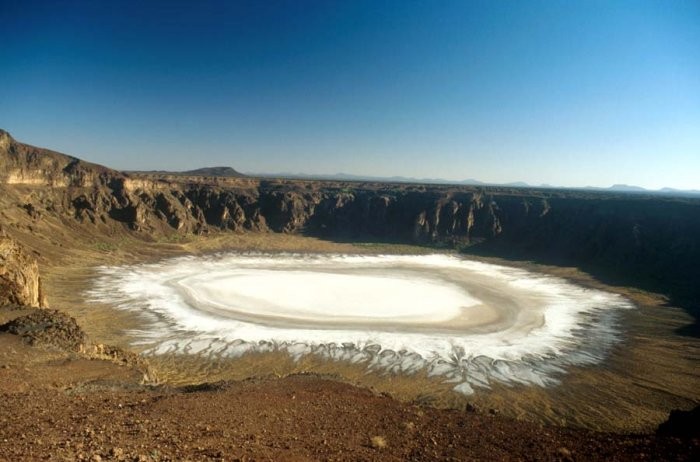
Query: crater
[466,321]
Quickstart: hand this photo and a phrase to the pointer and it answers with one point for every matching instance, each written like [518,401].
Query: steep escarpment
[19,275]
[641,239]
[24,164]
[637,239]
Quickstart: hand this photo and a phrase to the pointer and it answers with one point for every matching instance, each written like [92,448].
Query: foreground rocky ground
[64,399]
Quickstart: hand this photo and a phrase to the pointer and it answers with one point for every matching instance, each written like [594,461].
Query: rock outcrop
[24,164]
[55,330]
[19,275]
[48,328]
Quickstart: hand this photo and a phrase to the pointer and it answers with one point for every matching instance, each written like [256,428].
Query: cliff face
[650,240]
[19,275]
[24,164]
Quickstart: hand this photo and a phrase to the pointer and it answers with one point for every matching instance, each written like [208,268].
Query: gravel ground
[59,404]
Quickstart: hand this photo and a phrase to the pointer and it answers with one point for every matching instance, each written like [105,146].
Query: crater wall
[20,283]
[635,238]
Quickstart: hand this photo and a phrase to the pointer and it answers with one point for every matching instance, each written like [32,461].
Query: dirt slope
[61,404]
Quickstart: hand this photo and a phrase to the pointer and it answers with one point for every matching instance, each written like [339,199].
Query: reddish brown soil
[59,406]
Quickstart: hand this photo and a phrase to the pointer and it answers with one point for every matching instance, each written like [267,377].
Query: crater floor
[470,322]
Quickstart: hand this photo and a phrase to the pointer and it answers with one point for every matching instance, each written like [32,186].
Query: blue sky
[558,92]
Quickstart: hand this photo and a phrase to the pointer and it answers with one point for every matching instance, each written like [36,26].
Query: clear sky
[561,92]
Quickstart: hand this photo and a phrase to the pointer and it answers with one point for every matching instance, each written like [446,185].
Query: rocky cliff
[19,275]
[639,239]
[24,164]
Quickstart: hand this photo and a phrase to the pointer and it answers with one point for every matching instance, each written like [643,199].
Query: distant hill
[626,187]
[673,191]
[619,188]
[518,184]
[377,179]
[206,171]
[214,171]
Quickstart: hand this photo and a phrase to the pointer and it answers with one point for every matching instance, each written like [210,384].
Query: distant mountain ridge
[623,188]
[639,189]
[352,177]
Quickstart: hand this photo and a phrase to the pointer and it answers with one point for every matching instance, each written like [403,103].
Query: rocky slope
[645,240]
[28,165]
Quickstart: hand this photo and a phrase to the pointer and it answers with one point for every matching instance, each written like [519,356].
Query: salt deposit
[469,322]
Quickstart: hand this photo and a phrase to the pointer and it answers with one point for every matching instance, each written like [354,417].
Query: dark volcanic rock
[57,330]
[683,424]
[48,328]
